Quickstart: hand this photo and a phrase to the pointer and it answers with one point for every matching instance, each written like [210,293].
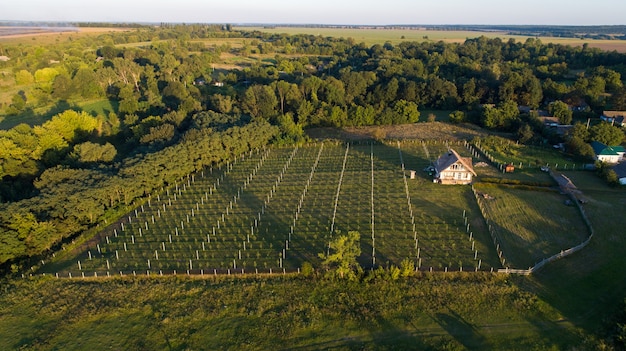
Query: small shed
[509,168]
[412,174]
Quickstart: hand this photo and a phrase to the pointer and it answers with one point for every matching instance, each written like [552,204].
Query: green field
[505,151]
[429,312]
[275,209]
[53,37]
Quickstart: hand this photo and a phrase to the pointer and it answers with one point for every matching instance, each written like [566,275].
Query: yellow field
[42,37]
[395,36]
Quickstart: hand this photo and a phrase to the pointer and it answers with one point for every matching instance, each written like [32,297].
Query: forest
[165,110]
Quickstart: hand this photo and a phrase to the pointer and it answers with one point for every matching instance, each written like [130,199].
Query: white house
[450,168]
[608,154]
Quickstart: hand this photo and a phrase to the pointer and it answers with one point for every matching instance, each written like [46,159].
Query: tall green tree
[406,112]
[607,134]
[260,101]
[561,110]
[24,77]
[86,85]
[62,87]
[89,152]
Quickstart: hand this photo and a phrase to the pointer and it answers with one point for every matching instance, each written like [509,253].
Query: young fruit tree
[345,249]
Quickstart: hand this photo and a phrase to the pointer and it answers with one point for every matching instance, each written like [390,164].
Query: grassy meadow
[430,312]
[590,285]
[522,156]
[53,37]
[532,225]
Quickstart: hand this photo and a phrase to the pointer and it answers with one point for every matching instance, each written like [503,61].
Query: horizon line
[280,24]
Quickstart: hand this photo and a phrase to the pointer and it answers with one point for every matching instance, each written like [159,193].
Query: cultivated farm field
[372,36]
[273,210]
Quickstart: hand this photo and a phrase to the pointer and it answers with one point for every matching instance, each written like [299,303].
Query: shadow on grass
[462,331]
[32,118]
[588,288]
[382,335]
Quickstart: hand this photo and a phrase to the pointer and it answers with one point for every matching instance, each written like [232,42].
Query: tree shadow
[30,117]
[461,330]
[383,335]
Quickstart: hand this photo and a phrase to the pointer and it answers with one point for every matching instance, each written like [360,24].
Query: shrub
[307,269]
[407,267]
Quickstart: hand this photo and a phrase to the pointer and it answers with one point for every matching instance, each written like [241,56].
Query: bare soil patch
[425,131]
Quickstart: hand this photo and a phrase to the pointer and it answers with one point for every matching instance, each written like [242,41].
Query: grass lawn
[524,156]
[532,225]
[440,115]
[589,286]
[99,107]
[532,175]
[430,312]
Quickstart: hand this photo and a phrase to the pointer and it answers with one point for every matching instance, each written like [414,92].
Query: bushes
[607,173]
[516,182]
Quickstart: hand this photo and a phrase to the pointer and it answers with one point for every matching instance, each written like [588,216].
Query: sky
[374,12]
